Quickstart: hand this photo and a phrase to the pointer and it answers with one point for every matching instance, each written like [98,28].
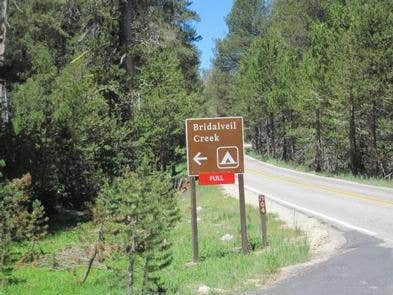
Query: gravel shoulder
[325,241]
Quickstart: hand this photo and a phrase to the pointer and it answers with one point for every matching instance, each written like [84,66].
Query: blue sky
[212,26]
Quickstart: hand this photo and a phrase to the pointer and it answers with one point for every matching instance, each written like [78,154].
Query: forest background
[94,95]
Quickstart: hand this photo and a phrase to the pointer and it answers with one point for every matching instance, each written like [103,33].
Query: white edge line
[323,177]
[314,213]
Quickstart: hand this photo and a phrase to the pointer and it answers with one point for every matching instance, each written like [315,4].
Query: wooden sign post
[194,222]
[243,217]
[215,153]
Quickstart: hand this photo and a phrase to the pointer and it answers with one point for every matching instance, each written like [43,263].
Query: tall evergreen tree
[246,20]
[314,85]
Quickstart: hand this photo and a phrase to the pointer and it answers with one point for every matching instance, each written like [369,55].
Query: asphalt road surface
[364,213]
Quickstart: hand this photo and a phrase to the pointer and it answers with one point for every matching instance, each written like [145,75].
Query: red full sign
[206,178]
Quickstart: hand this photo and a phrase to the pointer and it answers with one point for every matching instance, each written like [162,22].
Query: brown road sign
[215,144]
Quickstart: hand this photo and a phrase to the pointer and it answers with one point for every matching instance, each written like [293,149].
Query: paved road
[364,213]
[361,267]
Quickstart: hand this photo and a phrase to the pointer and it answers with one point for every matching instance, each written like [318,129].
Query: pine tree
[21,219]
[247,20]
[163,107]
[36,230]
[6,263]
[314,85]
[140,210]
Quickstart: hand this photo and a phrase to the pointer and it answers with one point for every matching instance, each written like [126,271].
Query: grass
[58,277]
[45,281]
[305,168]
[222,267]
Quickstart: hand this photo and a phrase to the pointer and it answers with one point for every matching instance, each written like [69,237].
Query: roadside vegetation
[313,80]
[222,266]
[305,168]
[93,98]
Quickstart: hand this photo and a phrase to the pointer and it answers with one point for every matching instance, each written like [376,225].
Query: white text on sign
[212,127]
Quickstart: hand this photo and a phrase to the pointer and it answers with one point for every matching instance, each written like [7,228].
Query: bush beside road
[222,267]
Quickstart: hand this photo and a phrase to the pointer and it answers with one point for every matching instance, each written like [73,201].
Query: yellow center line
[323,188]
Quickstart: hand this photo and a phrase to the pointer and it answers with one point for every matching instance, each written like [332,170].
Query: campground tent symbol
[227,157]
[228,160]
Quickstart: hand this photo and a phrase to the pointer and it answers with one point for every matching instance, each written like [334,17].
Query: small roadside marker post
[262,211]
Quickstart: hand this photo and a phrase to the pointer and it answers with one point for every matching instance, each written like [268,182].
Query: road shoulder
[325,241]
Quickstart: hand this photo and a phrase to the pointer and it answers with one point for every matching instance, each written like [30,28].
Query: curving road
[364,213]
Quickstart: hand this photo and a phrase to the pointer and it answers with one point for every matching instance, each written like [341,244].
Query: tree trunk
[127,10]
[353,152]
[4,116]
[4,109]
[318,141]
[130,271]
[267,136]
[254,142]
[373,133]
[3,28]
[257,138]
[285,139]
[272,140]
[131,260]
[291,138]
[260,138]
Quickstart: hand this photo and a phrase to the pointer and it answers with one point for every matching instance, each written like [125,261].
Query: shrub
[139,209]
[20,219]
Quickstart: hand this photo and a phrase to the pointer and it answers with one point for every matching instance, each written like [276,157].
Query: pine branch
[17,7]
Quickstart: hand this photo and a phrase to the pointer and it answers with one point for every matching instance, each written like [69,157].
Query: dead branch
[96,251]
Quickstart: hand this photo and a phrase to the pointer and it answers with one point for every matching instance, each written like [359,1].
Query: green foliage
[87,100]
[314,84]
[98,88]
[36,230]
[216,96]
[2,165]
[65,121]
[6,228]
[222,266]
[247,20]
[20,219]
[164,105]
[36,22]
[140,209]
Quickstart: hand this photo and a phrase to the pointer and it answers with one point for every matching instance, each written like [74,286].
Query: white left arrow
[198,158]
